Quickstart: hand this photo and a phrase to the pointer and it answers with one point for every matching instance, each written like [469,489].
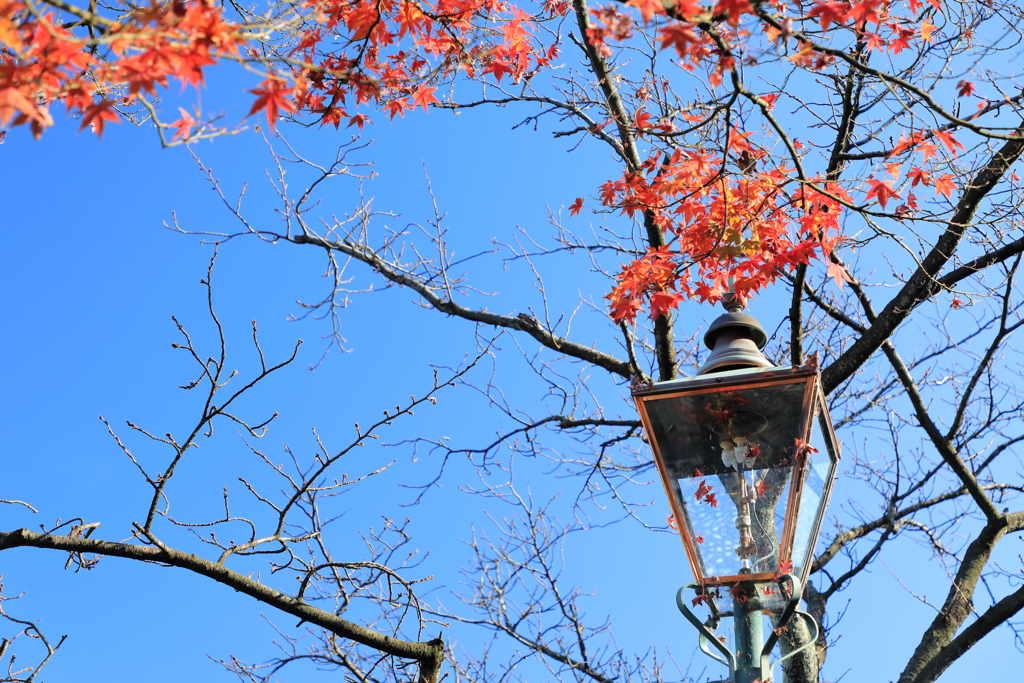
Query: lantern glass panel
[819,471]
[727,458]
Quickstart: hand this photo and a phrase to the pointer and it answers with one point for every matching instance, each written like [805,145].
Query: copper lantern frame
[813,407]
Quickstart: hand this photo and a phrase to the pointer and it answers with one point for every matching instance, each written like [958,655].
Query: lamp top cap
[735,318]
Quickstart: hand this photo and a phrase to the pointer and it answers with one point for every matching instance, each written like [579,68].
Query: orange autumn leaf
[927,28]
[948,141]
[183,126]
[919,176]
[829,13]
[944,185]
[839,274]
[13,102]
[882,191]
[648,8]
[272,97]
[424,96]
[97,115]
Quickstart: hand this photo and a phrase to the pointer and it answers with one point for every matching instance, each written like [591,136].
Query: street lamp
[747,455]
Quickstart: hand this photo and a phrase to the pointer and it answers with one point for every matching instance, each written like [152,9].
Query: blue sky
[92,278]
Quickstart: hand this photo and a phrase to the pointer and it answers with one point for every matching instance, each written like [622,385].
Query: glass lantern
[747,457]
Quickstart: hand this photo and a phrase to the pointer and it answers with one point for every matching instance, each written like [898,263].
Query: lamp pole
[747,455]
[749,629]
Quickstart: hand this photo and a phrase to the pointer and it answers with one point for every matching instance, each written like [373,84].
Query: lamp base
[751,662]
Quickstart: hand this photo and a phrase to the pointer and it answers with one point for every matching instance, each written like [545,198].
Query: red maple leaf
[947,139]
[927,28]
[273,96]
[648,8]
[863,12]
[703,489]
[875,41]
[663,302]
[643,120]
[945,185]
[882,191]
[499,67]
[711,500]
[576,206]
[919,176]
[423,96]
[97,115]
[906,143]
[761,488]
[838,273]
[358,120]
[680,36]
[830,13]
[183,125]
[964,88]
[902,41]
[625,309]
[929,150]
[398,106]
[190,68]
[699,539]
[733,10]
[13,101]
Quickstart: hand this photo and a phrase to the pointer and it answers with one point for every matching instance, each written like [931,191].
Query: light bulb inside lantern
[728,457]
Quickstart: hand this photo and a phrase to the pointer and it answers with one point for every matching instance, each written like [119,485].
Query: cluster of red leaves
[41,62]
[732,233]
[387,52]
[729,232]
[391,51]
[347,52]
[611,25]
[738,234]
[704,493]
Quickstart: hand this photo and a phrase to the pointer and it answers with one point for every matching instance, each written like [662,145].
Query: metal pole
[749,634]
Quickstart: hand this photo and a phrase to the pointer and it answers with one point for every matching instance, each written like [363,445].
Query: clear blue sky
[91,279]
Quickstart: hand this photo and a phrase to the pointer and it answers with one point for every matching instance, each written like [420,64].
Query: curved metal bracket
[703,643]
[706,634]
[813,639]
[787,614]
